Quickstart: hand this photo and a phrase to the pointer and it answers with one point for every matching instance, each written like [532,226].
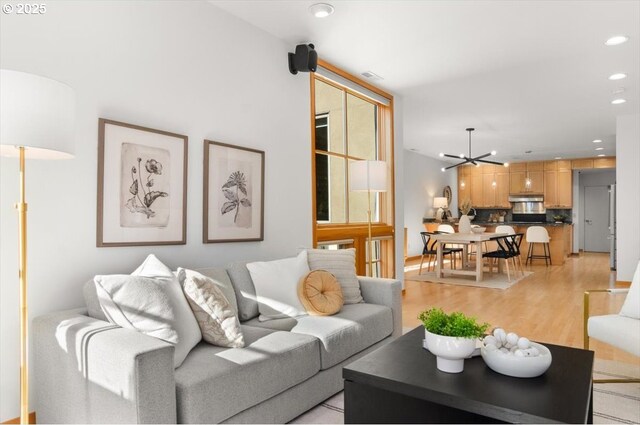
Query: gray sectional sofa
[89,371]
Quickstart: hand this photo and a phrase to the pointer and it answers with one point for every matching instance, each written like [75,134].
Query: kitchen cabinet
[558,189]
[606,162]
[488,190]
[477,193]
[578,164]
[518,181]
[464,185]
[502,190]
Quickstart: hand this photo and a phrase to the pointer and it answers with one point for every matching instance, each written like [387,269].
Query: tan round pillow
[320,293]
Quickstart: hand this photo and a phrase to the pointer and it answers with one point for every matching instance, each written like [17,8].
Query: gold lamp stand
[22,276]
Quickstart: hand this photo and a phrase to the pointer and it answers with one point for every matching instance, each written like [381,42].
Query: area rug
[612,403]
[489,280]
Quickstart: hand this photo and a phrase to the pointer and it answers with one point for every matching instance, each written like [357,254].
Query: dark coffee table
[399,383]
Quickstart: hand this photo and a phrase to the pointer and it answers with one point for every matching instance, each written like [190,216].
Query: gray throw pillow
[342,264]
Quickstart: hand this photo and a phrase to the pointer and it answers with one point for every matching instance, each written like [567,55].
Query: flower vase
[464,225]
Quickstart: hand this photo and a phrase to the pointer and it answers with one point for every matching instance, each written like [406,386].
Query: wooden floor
[547,306]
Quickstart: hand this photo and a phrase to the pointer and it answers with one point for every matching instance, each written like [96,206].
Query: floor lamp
[36,121]
[368,176]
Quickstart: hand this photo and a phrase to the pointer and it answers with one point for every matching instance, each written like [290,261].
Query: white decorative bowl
[450,351]
[478,229]
[519,367]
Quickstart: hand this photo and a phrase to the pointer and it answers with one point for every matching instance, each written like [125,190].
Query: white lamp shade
[439,202]
[368,175]
[36,113]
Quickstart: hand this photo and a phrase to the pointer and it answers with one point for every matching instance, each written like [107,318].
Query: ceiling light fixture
[618,90]
[470,159]
[616,39]
[321,10]
[618,101]
[617,76]
[558,157]
[602,154]
[597,141]
[599,149]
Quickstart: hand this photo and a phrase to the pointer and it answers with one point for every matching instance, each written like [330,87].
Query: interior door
[596,218]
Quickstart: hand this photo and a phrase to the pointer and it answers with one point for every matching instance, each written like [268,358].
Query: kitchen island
[561,235]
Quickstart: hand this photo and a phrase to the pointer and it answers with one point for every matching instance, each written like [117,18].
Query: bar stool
[538,234]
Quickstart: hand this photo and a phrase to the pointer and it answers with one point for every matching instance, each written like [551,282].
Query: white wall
[423,180]
[589,178]
[184,67]
[628,194]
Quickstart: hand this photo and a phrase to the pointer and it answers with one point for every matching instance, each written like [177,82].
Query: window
[351,123]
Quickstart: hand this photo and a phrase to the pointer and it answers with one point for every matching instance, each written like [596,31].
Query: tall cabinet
[558,184]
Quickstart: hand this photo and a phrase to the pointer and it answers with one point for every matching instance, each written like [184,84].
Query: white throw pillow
[213,312]
[150,301]
[342,264]
[276,284]
[631,306]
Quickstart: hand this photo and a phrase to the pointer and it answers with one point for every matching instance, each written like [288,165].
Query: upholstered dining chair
[620,330]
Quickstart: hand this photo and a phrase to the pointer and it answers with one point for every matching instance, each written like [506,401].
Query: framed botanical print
[142,181]
[233,205]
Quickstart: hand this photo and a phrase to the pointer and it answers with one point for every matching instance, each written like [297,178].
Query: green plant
[455,324]
[560,217]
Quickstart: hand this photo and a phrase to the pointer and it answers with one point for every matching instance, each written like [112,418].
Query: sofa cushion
[352,330]
[215,316]
[215,383]
[285,324]
[631,306]
[619,331]
[342,264]
[92,302]
[222,281]
[150,301]
[320,293]
[276,284]
[244,290]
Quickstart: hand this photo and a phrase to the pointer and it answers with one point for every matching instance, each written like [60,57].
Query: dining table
[464,239]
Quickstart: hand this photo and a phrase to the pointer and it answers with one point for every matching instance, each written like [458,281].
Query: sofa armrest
[384,292]
[90,371]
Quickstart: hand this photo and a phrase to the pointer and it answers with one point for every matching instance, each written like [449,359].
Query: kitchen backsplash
[484,214]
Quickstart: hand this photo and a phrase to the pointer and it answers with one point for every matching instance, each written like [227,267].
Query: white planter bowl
[519,367]
[450,351]
[478,229]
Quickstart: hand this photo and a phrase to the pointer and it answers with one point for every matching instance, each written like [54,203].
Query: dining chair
[429,248]
[538,234]
[509,230]
[454,248]
[507,249]
[620,330]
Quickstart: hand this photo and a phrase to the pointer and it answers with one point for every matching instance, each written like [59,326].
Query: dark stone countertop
[508,223]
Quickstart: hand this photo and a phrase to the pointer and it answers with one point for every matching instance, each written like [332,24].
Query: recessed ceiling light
[372,75]
[602,154]
[618,101]
[558,157]
[599,149]
[615,40]
[618,90]
[597,141]
[617,76]
[321,10]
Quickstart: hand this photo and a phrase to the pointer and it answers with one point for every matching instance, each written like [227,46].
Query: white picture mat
[223,160]
[114,137]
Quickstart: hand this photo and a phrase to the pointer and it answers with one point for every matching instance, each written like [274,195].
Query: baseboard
[32,419]
[413,257]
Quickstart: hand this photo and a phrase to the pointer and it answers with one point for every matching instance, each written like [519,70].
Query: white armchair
[620,330]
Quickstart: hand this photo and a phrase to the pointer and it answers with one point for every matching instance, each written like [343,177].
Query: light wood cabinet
[533,171]
[477,193]
[565,188]
[606,162]
[565,164]
[558,189]
[464,185]
[488,190]
[502,190]
[578,164]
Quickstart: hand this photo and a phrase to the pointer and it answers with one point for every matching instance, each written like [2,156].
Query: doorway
[596,219]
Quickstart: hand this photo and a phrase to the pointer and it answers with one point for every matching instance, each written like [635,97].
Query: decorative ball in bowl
[514,356]
[478,229]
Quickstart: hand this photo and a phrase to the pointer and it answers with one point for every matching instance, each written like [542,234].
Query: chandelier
[470,159]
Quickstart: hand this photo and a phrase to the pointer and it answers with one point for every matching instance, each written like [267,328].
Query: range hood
[523,204]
